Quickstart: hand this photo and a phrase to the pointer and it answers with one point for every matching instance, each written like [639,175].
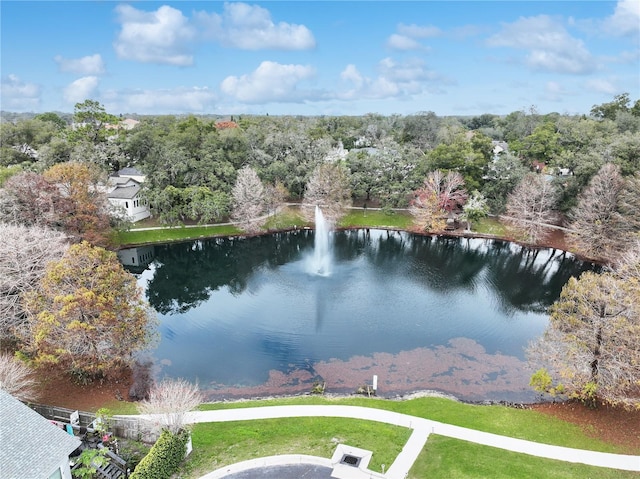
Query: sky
[318,57]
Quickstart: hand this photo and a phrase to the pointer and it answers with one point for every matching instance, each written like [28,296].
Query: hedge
[164,458]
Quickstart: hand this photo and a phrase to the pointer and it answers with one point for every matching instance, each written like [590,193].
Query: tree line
[579,171]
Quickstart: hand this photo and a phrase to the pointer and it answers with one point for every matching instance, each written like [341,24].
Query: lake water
[246,318]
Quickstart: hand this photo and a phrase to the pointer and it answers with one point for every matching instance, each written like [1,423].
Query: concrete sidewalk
[421,430]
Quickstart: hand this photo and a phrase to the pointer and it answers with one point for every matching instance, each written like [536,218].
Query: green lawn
[178,233]
[446,458]
[219,444]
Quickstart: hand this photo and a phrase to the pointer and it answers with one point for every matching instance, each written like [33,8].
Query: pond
[248,317]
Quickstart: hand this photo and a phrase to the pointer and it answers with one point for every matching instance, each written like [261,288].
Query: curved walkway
[421,430]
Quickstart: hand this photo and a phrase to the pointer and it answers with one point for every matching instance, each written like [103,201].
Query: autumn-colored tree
[530,206]
[26,251]
[88,315]
[591,345]
[248,200]
[29,199]
[328,187]
[84,213]
[440,194]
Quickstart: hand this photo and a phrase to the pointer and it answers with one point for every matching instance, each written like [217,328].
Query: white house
[123,192]
[30,445]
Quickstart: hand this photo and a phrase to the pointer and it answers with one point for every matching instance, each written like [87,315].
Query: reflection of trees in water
[187,273]
[521,278]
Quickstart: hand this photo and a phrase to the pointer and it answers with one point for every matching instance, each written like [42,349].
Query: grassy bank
[219,444]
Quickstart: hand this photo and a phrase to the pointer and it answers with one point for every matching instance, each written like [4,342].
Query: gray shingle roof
[124,193]
[30,445]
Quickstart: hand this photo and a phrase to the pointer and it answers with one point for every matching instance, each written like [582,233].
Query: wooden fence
[127,428]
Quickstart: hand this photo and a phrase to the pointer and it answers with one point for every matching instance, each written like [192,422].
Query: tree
[83,211]
[529,206]
[598,228]
[168,403]
[248,200]
[591,343]
[26,251]
[88,314]
[502,176]
[29,199]
[90,119]
[329,188]
[16,378]
[440,194]
[475,208]
[609,110]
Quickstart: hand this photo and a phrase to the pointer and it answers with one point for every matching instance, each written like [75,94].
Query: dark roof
[124,193]
[31,445]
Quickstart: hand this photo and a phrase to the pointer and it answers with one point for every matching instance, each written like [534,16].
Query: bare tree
[440,194]
[591,343]
[25,252]
[600,230]
[530,206]
[16,378]
[329,188]
[248,200]
[168,402]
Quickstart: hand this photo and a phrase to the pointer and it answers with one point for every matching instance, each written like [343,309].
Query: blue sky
[319,58]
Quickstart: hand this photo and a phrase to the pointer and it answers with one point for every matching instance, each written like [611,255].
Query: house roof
[124,192]
[129,171]
[31,445]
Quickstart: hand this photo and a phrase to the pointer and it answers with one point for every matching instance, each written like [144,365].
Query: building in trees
[124,193]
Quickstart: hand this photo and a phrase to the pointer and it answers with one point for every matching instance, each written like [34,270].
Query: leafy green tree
[53,118]
[542,145]
[467,156]
[90,119]
[88,314]
[590,346]
[609,110]
[501,177]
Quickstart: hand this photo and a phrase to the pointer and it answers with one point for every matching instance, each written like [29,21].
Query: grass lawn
[446,458]
[376,219]
[490,226]
[220,444]
[178,233]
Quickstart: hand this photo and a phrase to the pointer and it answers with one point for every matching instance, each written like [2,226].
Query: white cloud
[401,42]
[81,89]
[271,81]
[418,31]
[600,85]
[176,100]
[625,19]
[550,47]
[394,80]
[89,65]
[17,95]
[162,36]
[250,27]
[408,36]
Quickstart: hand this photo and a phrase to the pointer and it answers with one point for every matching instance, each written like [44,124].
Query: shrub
[164,458]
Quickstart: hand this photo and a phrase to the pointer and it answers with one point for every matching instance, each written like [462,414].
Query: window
[57,474]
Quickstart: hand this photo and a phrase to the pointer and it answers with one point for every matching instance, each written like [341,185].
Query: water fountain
[320,263]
